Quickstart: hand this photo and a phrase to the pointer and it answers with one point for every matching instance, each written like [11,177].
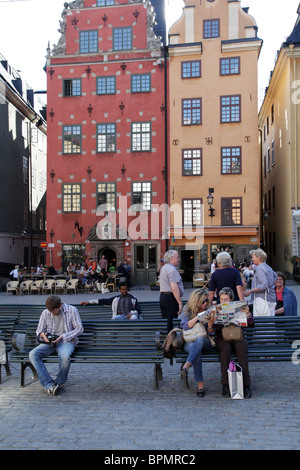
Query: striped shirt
[72,324]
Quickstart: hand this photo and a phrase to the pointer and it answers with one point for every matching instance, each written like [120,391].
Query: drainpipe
[166,55]
[294,132]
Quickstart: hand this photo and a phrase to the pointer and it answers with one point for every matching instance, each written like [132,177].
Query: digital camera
[51,339]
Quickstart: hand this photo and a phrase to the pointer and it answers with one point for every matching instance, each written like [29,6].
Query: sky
[26,26]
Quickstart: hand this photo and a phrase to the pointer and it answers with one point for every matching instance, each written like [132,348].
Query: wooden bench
[270,340]
[106,341]
[7,328]
[25,313]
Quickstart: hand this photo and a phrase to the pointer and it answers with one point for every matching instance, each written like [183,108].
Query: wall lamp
[210,201]
[78,228]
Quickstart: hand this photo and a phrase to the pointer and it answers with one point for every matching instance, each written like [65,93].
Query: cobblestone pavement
[116,408]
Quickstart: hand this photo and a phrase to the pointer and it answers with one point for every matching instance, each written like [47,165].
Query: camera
[51,338]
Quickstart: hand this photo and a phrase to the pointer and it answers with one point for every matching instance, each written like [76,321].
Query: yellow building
[279,123]
[214,147]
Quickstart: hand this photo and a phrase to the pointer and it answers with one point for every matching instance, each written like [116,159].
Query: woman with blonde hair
[203,342]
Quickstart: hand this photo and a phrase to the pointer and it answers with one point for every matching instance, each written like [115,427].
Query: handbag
[235,381]
[261,307]
[232,333]
[192,334]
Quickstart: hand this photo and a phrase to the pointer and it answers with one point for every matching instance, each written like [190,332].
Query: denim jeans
[195,350]
[64,351]
[121,317]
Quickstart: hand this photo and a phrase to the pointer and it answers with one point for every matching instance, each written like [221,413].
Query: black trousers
[169,308]
[226,348]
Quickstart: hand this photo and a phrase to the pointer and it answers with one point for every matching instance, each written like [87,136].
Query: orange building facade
[213,142]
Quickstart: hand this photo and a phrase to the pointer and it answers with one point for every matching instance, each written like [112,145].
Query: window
[106,138]
[141,195]
[269,160]
[106,85]
[273,152]
[191,69]
[231,161]
[211,29]
[72,87]
[88,41]
[122,39]
[192,162]
[71,139]
[106,194]
[103,3]
[25,170]
[191,112]
[141,137]
[230,66]
[231,108]
[71,198]
[231,211]
[192,214]
[141,83]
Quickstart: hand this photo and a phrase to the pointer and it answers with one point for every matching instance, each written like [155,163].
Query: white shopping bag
[235,379]
[2,353]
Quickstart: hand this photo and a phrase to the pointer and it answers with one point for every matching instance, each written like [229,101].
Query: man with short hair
[63,321]
[124,306]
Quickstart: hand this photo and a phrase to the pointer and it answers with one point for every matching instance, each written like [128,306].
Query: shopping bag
[2,353]
[235,380]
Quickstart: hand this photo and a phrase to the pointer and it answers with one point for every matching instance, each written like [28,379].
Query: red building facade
[106,137]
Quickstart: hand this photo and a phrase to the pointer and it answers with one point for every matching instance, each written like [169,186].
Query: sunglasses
[205,301]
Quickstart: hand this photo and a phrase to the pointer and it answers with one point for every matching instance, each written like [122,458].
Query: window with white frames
[192,162]
[142,195]
[106,138]
[141,136]
[192,212]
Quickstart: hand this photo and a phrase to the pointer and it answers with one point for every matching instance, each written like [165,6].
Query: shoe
[200,392]
[53,389]
[247,392]
[225,391]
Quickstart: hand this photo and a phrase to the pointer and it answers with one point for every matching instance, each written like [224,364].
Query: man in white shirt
[171,288]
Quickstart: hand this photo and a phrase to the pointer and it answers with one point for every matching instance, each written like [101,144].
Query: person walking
[171,288]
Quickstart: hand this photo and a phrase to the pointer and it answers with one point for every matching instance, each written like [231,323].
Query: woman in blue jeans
[197,303]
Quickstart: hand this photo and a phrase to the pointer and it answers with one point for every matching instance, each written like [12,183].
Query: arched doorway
[110,255]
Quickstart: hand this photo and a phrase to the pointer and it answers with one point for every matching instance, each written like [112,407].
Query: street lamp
[210,201]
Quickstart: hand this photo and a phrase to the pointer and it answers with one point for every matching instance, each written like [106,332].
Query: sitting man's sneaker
[225,391]
[247,392]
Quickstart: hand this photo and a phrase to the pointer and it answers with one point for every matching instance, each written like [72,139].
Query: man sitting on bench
[124,306]
[58,328]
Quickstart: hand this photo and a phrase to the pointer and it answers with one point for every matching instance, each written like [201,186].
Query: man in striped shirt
[62,321]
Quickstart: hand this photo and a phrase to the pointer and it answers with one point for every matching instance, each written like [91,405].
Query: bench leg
[185,379]
[24,366]
[157,375]
[6,365]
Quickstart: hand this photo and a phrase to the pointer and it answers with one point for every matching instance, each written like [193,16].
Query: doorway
[145,266]
[188,264]
[111,257]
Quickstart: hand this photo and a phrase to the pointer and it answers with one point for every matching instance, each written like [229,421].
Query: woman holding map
[226,348]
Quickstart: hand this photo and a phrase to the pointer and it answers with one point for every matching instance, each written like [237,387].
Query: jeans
[64,351]
[195,350]
[121,317]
